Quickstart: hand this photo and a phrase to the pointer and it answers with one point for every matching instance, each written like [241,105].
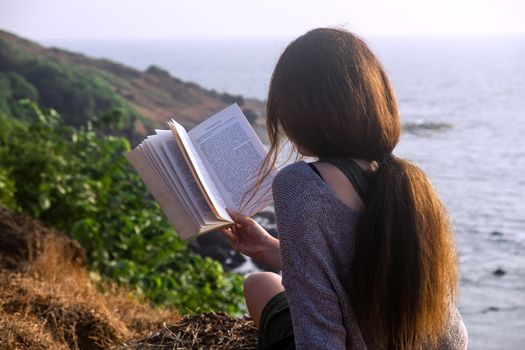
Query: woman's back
[317,236]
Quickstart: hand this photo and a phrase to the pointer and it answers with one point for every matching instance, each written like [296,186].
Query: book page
[199,171]
[182,181]
[148,150]
[233,155]
[172,208]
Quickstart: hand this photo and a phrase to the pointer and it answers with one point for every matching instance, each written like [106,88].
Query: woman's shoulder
[298,182]
[295,178]
[292,170]
[297,188]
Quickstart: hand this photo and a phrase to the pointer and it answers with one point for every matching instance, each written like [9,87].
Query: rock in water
[499,272]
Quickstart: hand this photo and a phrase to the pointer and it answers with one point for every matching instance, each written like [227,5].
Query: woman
[365,246]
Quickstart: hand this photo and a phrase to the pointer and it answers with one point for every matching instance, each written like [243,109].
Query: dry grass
[21,333]
[47,301]
[204,331]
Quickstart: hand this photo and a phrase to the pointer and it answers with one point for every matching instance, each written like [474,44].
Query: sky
[148,19]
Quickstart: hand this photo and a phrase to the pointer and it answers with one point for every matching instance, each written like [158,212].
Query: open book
[196,175]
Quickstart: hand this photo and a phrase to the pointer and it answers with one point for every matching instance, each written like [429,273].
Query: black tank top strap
[312,166]
[359,177]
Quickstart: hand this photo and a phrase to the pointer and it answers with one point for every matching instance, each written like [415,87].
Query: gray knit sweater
[316,232]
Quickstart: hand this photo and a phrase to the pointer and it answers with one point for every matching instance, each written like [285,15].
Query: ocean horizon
[464,97]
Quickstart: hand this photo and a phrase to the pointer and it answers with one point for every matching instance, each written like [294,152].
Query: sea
[462,101]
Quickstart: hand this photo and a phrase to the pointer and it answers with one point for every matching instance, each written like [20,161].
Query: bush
[79,181]
[78,93]
[21,88]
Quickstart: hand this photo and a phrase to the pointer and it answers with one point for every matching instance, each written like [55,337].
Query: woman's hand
[249,238]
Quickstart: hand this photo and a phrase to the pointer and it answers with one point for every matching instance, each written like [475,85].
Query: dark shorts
[275,327]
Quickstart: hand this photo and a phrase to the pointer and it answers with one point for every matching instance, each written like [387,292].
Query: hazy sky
[58,19]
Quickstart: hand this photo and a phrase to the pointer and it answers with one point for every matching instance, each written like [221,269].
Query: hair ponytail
[405,271]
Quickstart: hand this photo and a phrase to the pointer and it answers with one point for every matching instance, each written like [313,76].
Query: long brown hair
[331,97]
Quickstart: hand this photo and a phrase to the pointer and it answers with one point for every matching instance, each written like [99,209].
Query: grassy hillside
[119,97]
[48,301]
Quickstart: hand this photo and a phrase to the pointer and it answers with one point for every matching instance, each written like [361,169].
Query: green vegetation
[65,166]
[75,178]
[80,95]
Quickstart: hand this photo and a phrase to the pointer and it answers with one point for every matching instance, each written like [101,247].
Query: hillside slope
[48,301]
[72,83]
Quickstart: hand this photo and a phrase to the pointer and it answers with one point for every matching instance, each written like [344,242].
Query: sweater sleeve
[314,304]
[455,335]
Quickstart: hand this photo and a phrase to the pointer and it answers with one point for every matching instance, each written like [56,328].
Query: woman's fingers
[234,241]
[241,219]
[228,233]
